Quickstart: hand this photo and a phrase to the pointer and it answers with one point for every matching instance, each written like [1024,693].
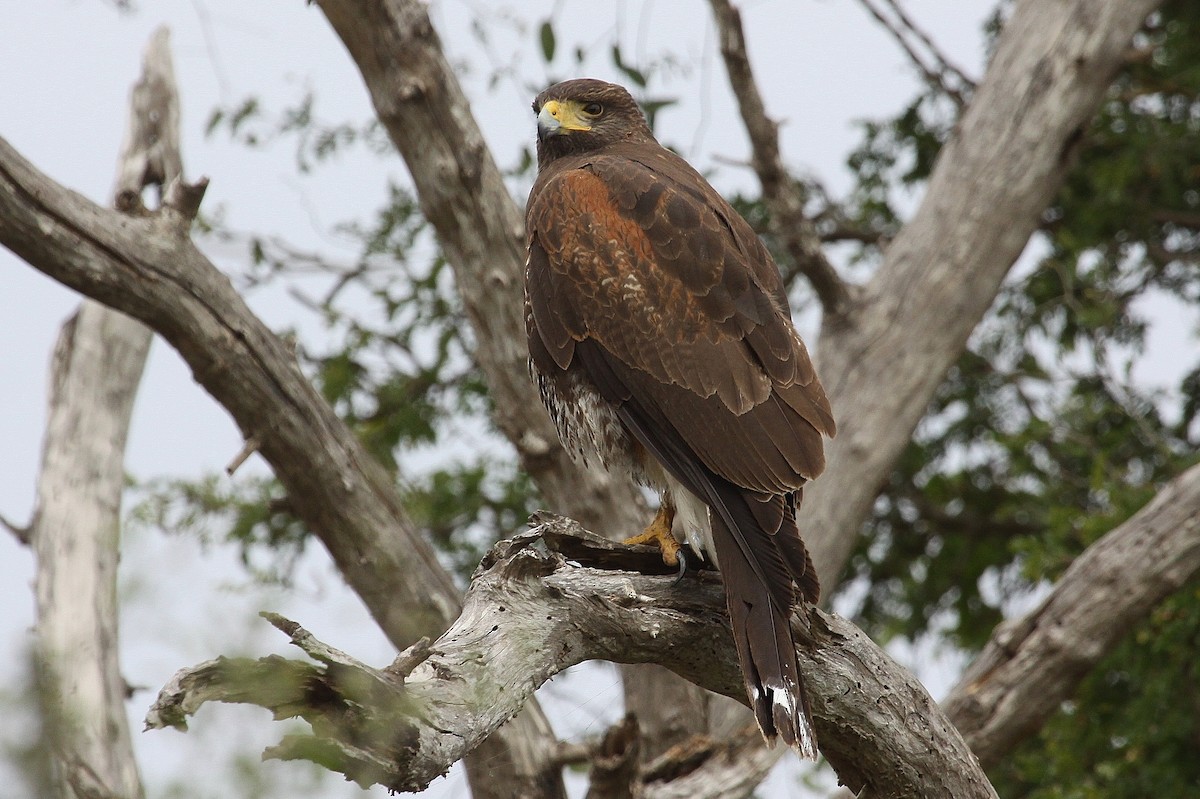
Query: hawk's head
[581,115]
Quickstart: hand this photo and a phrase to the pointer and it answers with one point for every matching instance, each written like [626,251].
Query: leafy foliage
[251,513]
[1043,438]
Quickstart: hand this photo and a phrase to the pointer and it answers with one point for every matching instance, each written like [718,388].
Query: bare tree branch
[1007,157]
[147,267]
[150,153]
[98,364]
[944,76]
[1033,664]
[531,613]
[788,222]
[19,532]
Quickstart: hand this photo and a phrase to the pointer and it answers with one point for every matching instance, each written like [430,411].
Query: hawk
[662,344]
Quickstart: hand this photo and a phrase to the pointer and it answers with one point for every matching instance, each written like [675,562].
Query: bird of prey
[662,343]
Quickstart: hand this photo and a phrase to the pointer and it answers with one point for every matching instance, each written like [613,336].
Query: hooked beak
[557,117]
[547,122]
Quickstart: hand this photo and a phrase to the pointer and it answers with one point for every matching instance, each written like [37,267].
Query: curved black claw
[682,568]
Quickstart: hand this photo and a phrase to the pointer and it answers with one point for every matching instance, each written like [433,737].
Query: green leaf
[546,34]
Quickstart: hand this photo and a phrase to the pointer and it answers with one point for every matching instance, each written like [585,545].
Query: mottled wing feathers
[665,279]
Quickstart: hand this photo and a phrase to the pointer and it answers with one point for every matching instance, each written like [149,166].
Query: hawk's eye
[593,109]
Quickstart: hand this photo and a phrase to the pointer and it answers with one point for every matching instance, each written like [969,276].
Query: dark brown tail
[759,570]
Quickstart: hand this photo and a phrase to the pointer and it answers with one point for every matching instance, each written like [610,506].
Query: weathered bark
[528,615]
[1031,665]
[98,362]
[882,360]
[97,366]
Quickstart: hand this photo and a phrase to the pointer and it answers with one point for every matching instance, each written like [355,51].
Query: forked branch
[550,599]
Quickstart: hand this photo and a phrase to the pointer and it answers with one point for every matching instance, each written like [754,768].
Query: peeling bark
[531,613]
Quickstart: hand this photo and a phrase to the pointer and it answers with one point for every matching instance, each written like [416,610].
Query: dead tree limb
[781,193]
[147,267]
[531,613]
[941,75]
[97,366]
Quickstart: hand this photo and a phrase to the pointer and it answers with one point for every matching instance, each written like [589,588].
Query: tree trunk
[882,359]
[75,535]
[97,366]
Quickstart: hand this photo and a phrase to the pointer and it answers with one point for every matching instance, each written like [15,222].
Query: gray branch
[1033,664]
[781,193]
[943,76]
[97,366]
[532,611]
[147,267]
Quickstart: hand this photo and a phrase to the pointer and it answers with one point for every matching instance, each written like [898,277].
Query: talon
[682,568]
[658,534]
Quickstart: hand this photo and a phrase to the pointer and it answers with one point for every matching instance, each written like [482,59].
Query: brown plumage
[662,342]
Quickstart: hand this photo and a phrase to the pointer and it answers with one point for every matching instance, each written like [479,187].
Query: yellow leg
[659,534]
